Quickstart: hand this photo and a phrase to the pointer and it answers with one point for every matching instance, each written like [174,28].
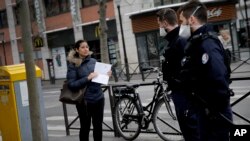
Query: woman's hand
[92,75]
[109,73]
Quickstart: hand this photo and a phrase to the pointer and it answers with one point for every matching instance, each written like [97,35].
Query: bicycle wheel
[165,125]
[127,119]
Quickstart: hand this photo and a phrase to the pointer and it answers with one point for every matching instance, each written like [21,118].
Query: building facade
[59,23]
[143,44]
[150,45]
[56,25]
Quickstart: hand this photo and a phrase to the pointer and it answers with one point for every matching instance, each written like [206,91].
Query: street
[55,118]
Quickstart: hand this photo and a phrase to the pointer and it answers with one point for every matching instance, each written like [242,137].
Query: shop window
[243,34]
[3,19]
[1,63]
[37,55]
[142,51]
[21,55]
[114,54]
[86,3]
[94,46]
[148,52]
[55,7]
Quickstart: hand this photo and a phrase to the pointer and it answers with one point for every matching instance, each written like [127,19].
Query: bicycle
[131,116]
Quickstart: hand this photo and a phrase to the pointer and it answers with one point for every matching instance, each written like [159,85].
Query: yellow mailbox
[15,122]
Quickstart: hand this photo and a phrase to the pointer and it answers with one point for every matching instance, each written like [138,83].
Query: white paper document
[102,70]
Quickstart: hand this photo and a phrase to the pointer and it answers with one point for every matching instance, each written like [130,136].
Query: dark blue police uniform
[185,112]
[204,74]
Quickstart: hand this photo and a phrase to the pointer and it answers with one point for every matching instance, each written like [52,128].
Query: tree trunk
[103,31]
[33,93]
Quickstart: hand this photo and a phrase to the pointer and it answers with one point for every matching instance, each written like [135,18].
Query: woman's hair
[77,45]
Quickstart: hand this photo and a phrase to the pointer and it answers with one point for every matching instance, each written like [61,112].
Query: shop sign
[38,41]
[215,12]
[97,31]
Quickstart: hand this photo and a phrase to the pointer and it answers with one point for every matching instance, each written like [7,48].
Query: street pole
[4,53]
[3,44]
[33,93]
[247,24]
[123,43]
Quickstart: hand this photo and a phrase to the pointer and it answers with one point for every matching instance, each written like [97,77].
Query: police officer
[205,74]
[174,52]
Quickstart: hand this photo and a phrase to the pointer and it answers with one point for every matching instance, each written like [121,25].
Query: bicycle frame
[143,115]
[159,93]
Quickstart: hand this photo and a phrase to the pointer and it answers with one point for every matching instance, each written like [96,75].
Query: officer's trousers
[212,126]
[186,114]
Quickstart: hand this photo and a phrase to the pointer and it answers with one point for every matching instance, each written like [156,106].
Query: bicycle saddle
[129,88]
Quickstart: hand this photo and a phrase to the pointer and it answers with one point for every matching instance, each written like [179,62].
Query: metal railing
[111,128]
[68,125]
[135,73]
[109,89]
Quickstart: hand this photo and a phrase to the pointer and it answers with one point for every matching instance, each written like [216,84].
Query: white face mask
[163,32]
[185,31]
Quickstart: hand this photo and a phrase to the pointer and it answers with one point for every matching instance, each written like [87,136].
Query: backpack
[213,35]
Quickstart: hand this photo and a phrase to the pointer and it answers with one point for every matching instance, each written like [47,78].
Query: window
[148,51]
[86,3]
[3,19]
[16,12]
[55,7]
[32,11]
[243,33]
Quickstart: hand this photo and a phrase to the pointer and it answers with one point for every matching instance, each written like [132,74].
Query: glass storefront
[3,19]
[148,51]
[243,34]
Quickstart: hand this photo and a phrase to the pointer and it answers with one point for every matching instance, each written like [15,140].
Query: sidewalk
[107,136]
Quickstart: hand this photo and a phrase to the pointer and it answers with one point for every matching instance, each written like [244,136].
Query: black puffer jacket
[174,52]
[78,71]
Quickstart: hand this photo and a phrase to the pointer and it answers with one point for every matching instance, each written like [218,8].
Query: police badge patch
[204,58]
[183,61]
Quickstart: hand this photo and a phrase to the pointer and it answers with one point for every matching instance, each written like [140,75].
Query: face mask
[185,31]
[162,32]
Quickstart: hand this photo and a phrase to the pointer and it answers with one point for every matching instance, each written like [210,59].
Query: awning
[167,6]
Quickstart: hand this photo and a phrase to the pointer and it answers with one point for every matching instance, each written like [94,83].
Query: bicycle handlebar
[150,68]
[153,69]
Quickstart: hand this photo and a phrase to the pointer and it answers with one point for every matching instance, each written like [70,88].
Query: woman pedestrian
[80,73]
